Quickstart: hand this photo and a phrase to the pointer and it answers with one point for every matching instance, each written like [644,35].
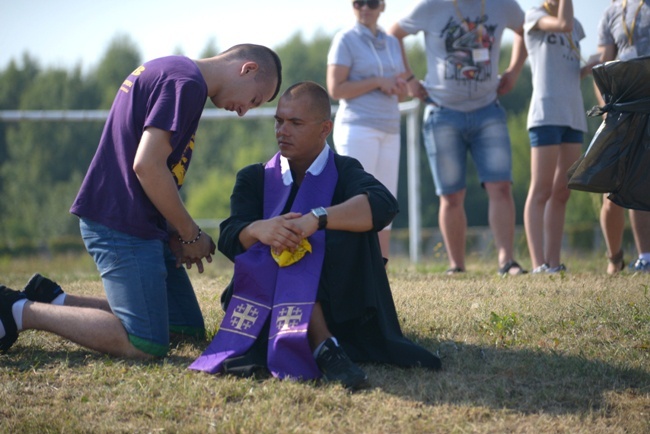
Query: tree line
[42,164]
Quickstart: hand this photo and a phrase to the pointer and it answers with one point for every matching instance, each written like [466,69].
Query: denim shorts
[450,134]
[145,290]
[553,135]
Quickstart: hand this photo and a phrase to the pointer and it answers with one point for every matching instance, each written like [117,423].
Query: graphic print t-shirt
[167,93]
[462,42]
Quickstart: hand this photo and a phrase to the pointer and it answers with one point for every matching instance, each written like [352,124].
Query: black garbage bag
[617,160]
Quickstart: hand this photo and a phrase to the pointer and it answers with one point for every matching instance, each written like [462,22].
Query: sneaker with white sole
[640,266]
[337,367]
[559,269]
[541,269]
[8,297]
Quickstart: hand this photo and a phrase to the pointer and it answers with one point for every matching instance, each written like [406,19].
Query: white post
[411,108]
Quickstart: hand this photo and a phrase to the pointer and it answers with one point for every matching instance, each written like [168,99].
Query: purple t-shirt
[167,93]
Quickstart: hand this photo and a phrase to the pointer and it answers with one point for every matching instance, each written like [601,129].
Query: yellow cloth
[286,257]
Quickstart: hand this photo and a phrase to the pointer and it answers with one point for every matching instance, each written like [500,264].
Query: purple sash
[288,294]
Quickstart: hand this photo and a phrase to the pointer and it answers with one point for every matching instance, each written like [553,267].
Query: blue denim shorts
[145,290]
[553,135]
[450,134]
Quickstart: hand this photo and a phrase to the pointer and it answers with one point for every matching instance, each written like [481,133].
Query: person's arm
[286,231]
[415,88]
[281,232]
[339,87]
[517,60]
[150,166]
[562,23]
[353,215]
[607,53]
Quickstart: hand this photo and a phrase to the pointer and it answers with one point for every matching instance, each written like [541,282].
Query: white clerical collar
[315,169]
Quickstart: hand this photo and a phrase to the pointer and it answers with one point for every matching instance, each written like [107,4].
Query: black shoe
[7,299]
[336,366]
[511,265]
[42,289]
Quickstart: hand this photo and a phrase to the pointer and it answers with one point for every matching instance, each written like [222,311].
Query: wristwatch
[321,214]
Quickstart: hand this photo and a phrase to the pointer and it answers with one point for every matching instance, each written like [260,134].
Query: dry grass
[565,353]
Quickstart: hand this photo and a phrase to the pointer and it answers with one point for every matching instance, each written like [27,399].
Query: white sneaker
[541,269]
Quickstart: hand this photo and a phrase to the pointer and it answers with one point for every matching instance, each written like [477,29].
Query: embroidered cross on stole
[263,289]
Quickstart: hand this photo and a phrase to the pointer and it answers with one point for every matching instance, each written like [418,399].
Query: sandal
[616,263]
[452,271]
[505,270]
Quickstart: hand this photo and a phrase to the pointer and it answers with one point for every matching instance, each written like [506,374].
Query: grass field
[563,353]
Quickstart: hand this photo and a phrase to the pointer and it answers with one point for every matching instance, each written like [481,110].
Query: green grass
[566,353]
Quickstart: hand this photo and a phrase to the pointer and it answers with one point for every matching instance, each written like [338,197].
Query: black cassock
[354,290]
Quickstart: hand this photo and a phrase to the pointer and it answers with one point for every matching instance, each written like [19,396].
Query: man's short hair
[267,60]
[320,100]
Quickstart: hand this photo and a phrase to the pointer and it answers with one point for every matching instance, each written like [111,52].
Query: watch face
[320,212]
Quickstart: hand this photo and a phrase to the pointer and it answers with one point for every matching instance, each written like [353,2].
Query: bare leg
[89,302]
[318,331]
[92,328]
[556,206]
[612,223]
[640,221]
[453,225]
[501,215]
[542,165]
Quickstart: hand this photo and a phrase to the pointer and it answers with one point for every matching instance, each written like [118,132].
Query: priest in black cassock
[308,204]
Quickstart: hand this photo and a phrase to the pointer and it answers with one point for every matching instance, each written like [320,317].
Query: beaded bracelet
[193,241]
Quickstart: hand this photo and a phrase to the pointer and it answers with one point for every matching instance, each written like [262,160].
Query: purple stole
[288,294]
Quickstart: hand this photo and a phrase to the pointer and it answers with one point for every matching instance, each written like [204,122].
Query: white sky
[66,33]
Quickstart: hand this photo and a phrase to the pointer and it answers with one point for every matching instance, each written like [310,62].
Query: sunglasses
[372,4]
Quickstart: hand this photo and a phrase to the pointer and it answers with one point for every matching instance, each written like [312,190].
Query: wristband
[410,78]
[192,241]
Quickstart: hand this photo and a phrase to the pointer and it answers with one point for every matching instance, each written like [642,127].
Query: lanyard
[462,19]
[630,31]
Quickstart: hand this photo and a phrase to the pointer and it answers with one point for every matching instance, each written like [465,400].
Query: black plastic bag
[618,158]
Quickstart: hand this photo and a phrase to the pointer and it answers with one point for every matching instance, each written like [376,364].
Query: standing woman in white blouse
[365,72]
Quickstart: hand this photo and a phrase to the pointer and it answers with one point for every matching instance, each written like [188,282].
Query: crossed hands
[284,232]
[393,85]
[189,254]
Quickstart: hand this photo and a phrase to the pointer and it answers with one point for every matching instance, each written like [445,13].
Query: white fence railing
[409,109]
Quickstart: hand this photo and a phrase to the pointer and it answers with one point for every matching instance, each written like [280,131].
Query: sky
[70,33]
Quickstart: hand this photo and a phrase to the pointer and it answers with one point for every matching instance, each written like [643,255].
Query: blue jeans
[145,290]
[450,134]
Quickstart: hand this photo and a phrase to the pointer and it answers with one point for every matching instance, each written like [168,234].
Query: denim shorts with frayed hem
[144,288]
[449,135]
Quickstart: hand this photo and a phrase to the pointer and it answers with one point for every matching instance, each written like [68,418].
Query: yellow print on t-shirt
[180,169]
[128,84]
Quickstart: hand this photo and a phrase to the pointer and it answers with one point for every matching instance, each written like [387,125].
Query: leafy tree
[121,58]
[303,60]
[42,163]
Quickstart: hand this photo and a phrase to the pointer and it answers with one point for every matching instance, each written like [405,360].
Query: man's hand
[281,232]
[507,82]
[417,90]
[194,253]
